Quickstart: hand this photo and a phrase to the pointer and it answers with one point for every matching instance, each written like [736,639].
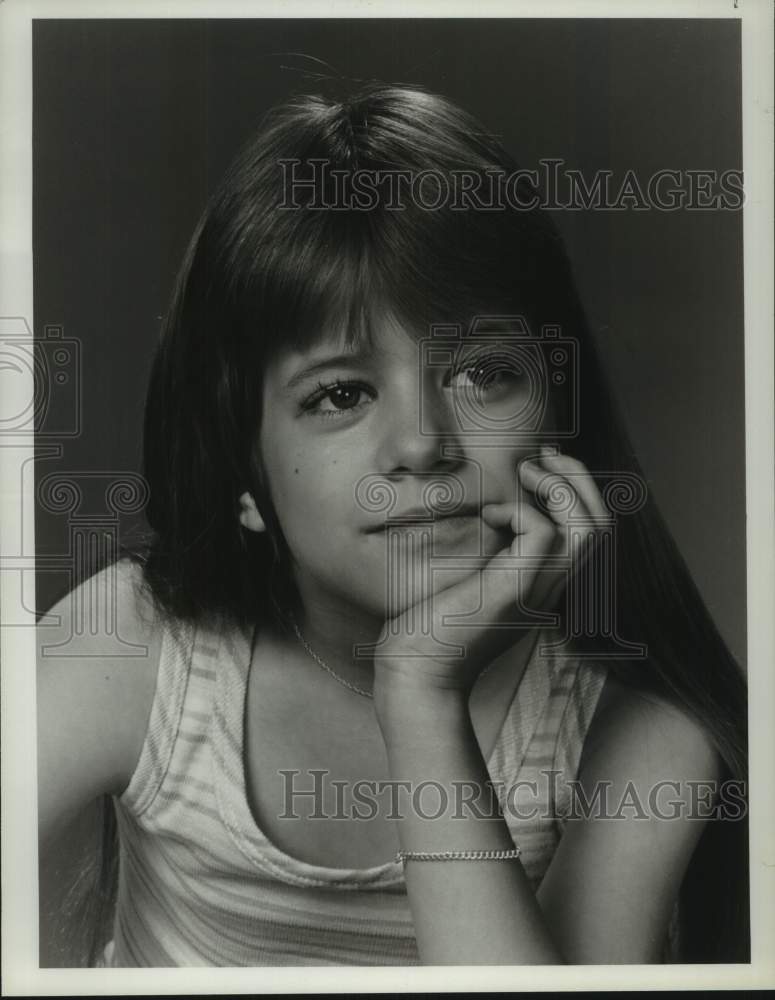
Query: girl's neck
[341,636]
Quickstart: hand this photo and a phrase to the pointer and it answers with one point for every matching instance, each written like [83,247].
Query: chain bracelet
[458,855]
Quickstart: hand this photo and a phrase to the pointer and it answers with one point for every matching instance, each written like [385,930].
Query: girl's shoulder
[99,650]
[640,733]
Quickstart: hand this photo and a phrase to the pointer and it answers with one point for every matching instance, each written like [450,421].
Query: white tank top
[201,885]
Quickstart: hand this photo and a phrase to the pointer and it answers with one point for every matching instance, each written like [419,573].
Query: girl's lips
[454,530]
[412,519]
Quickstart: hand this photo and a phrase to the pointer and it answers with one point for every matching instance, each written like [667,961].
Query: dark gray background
[135,121]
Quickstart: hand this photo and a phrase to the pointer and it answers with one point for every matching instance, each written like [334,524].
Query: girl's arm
[465,912]
[611,885]
[93,709]
[610,888]
[93,705]
[609,892]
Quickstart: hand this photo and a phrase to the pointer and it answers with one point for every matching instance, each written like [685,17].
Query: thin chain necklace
[335,675]
[325,666]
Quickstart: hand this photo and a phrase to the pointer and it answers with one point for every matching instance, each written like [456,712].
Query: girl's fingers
[566,502]
[554,492]
[578,476]
[519,519]
[536,537]
[561,503]
[591,506]
[568,493]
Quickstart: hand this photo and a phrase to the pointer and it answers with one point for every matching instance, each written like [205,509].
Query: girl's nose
[416,426]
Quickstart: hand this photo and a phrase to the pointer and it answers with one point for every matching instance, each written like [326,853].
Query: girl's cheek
[503,480]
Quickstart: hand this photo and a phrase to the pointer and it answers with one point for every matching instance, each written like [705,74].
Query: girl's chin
[412,590]
[406,568]
[410,565]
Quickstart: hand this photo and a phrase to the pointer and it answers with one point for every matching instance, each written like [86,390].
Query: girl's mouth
[439,522]
[461,530]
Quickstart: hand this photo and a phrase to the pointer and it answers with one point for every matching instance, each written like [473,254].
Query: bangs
[329,275]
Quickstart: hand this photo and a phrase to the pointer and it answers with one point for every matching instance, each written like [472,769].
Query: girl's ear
[249,515]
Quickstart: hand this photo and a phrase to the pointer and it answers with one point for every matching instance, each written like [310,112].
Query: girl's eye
[337,399]
[491,375]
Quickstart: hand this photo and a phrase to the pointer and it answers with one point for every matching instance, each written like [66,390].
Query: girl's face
[352,437]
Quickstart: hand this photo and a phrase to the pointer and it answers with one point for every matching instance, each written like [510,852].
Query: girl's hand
[413,668]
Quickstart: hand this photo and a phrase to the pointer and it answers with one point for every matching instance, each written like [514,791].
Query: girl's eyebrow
[349,360]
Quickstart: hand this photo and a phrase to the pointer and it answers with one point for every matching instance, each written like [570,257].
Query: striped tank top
[201,885]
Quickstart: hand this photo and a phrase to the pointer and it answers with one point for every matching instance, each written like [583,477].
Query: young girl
[418,687]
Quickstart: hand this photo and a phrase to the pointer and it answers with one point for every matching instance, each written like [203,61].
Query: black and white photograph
[388,497]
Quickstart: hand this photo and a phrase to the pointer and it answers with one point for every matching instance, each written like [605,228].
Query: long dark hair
[274,264]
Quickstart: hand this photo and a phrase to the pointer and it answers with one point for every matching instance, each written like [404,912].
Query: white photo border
[22,977]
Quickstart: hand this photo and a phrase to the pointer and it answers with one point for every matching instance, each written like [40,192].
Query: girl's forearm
[465,912]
